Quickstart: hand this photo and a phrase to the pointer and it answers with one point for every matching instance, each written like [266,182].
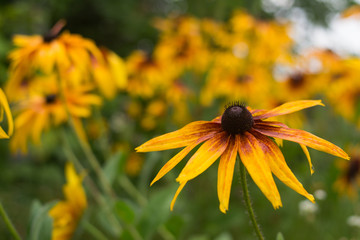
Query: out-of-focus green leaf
[40,222]
[279,236]
[156,212]
[125,212]
[114,166]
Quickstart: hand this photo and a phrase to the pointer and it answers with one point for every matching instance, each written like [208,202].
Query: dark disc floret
[51,98]
[49,37]
[236,119]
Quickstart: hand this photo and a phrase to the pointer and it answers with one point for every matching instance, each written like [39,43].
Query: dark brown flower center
[49,37]
[236,119]
[51,98]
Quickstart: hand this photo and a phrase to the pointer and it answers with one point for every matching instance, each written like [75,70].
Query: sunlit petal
[302,137]
[182,185]
[306,151]
[226,173]
[289,107]
[177,158]
[254,159]
[204,157]
[181,137]
[278,166]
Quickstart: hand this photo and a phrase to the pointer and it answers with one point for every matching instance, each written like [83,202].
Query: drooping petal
[270,123]
[9,117]
[226,173]
[253,157]
[278,166]
[204,157]
[177,158]
[181,137]
[182,185]
[302,137]
[306,151]
[289,107]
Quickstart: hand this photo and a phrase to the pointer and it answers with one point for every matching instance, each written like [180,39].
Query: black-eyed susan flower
[67,213]
[245,131]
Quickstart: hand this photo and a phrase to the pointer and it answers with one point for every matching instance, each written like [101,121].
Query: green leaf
[114,166]
[40,222]
[279,236]
[124,211]
[157,211]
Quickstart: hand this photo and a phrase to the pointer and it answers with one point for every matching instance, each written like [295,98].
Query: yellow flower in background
[244,131]
[67,213]
[56,53]
[45,107]
[4,107]
[348,181]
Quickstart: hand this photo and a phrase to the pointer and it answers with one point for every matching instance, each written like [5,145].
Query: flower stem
[8,223]
[247,200]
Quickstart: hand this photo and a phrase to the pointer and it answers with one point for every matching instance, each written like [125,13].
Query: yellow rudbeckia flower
[67,213]
[246,132]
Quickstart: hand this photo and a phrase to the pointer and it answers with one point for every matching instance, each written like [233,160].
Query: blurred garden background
[89,81]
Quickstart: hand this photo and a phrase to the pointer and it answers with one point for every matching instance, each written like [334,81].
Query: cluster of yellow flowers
[54,77]
[203,61]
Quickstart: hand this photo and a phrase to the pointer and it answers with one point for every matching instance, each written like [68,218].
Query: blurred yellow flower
[4,107]
[56,53]
[67,213]
[44,106]
[244,131]
[348,181]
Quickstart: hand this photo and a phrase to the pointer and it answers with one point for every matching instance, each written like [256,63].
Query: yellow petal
[253,157]
[278,166]
[302,137]
[9,117]
[289,107]
[306,151]
[226,173]
[204,157]
[176,159]
[182,185]
[181,137]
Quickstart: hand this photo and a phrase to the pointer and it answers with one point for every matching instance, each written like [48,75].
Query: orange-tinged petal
[182,185]
[278,166]
[181,137]
[253,157]
[289,107]
[177,158]
[306,151]
[226,173]
[302,137]
[204,157]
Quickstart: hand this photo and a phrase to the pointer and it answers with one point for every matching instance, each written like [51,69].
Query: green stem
[94,231]
[127,185]
[8,223]
[248,201]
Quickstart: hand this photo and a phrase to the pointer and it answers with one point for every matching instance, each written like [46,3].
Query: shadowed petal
[302,137]
[204,157]
[289,107]
[182,185]
[254,159]
[270,123]
[178,157]
[181,137]
[226,173]
[278,166]
[306,151]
